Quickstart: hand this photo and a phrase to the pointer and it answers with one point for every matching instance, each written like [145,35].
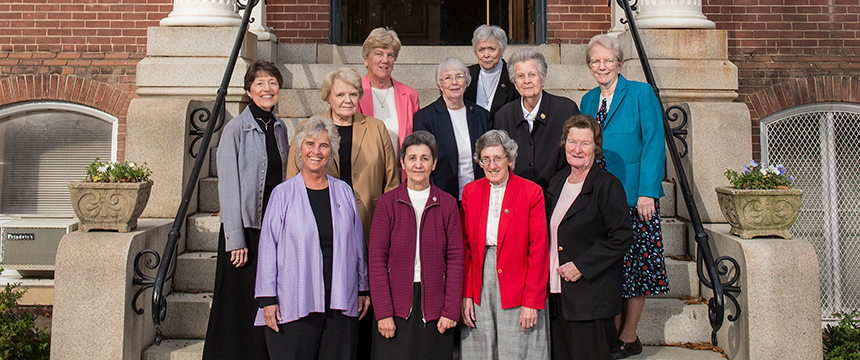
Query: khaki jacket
[374,164]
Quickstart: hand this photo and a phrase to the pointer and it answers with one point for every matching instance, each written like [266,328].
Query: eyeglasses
[449,79]
[609,63]
[485,161]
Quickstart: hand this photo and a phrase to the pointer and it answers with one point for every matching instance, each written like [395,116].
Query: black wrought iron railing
[214,119]
[708,269]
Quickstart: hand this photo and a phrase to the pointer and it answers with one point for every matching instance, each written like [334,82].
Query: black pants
[579,340]
[317,336]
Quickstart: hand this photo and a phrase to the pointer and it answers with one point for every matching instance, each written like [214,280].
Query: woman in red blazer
[507,258]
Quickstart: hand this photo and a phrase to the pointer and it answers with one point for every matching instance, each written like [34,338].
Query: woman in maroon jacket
[415,258]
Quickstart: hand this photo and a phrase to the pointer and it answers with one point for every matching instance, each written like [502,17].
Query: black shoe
[623,350]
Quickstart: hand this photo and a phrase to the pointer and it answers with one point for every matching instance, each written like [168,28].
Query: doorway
[437,22]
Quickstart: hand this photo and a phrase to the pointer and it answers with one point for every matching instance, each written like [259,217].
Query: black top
[595,233]
[505,90]
[345,153]
[435,119]
[321,206]
[539,155]
[274,173]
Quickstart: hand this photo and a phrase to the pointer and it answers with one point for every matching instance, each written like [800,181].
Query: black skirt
[413,338]
[231,333]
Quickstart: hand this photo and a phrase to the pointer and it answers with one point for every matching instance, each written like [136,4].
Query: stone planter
[759,212]
[109,206]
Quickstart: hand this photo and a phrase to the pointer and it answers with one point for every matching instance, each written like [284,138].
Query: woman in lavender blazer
[312,280]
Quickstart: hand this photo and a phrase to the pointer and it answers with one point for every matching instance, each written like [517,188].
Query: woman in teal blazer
[631,118]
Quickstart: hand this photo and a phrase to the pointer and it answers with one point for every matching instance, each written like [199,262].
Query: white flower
[102,168]
[773,169]
[763,171]
[131,164]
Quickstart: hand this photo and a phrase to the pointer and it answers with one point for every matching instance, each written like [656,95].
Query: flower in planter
[755,176]
[127,172]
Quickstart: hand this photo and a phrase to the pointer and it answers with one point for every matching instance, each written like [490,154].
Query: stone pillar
[267,42]
[672,14]
[617,14]
[692,67]
[93,318]
[183,63]
[202,13]
[780,297]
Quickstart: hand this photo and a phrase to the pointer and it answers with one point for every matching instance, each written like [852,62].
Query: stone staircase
[666,319]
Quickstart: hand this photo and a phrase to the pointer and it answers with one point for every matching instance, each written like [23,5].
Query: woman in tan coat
[366,159]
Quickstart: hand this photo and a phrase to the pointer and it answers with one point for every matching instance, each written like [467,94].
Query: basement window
[44,146]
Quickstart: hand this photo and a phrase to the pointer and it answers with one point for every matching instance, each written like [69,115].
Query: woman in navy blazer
[457,124]
[631,118]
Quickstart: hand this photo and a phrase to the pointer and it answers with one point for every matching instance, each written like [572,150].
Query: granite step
[303,103]
[187,315]
[195,271]
[669,321]
[175,349]
[683,281]
[201,231]
[675,353]
[192,349]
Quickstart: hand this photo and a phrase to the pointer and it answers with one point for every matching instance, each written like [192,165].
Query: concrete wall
[93,318]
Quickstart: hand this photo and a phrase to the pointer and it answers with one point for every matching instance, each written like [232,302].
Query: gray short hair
[486,32]
[525,55]
[452,63]
[497,138]
[348,75]
[419,137]
[608,42]
[312,129]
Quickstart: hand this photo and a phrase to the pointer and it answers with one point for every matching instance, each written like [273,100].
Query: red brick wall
[82,51]
[778,44]
[575,22]
[299,21]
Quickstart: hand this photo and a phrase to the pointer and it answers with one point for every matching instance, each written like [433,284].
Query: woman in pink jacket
[415,260]
[385,98]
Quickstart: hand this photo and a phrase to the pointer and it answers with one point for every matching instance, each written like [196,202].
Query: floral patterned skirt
[644,267]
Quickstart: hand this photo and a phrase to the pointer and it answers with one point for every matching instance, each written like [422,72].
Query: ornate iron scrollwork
[202,115]
[143,280]
[676,113]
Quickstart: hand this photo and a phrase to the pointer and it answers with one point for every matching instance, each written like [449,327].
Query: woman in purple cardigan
[312,270]
[416,261]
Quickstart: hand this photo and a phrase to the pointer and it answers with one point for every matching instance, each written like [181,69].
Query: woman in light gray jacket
[252,158]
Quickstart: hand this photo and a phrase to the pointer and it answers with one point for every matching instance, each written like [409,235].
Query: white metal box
[31,244]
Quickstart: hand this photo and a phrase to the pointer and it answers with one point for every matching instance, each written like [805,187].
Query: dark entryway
[434,22]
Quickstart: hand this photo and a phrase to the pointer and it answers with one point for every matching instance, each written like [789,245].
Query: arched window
[44,146]
[819,144]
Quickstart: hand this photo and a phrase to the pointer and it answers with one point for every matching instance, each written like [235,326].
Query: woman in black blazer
[590,231]
[491,86]
[457,124]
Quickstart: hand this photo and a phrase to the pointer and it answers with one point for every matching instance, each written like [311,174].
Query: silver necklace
[487,92]
[265,123]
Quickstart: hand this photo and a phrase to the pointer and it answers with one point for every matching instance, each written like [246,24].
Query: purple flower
[781,169]
[746,169]
[791,179]
[753,163]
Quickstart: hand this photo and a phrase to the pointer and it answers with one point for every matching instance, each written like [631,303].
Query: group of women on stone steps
[498,206]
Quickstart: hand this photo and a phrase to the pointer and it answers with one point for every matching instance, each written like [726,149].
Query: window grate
[820,145]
